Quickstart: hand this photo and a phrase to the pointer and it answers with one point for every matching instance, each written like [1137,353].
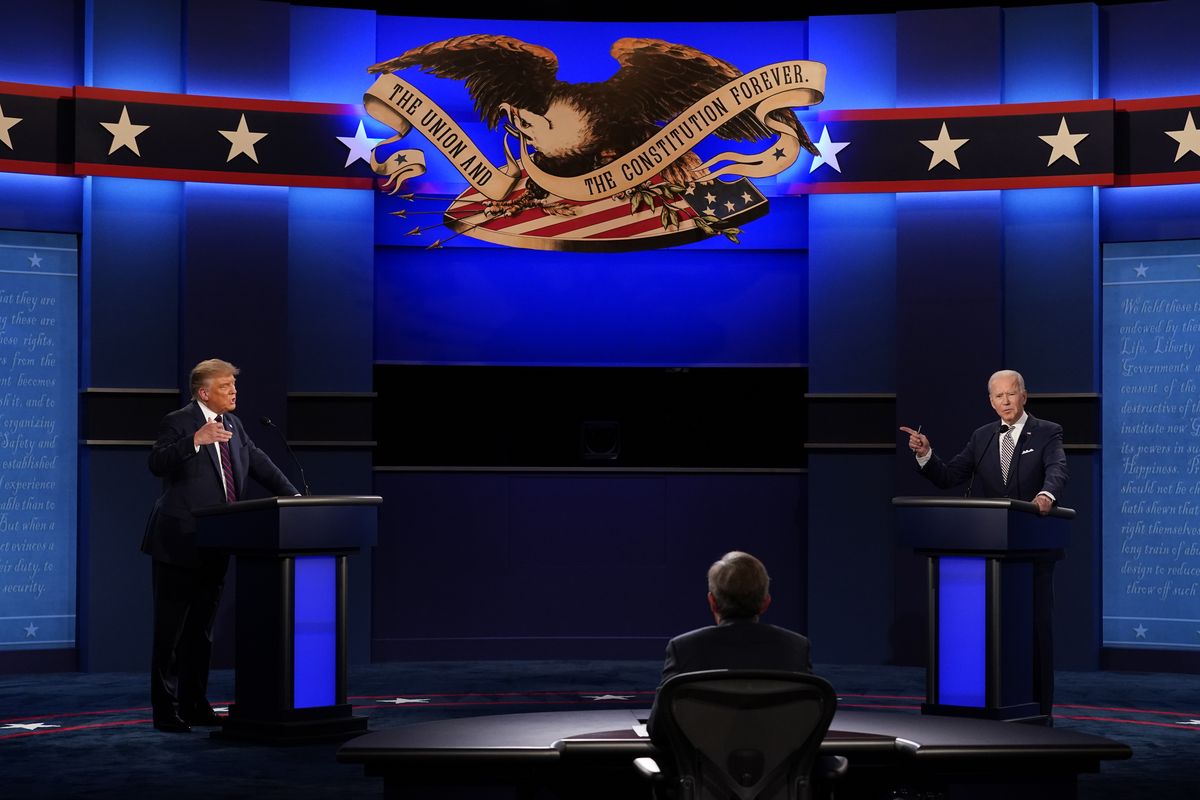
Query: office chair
[742,735]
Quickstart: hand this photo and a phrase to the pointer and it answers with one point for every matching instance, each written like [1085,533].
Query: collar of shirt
[1019,425]
[209,414]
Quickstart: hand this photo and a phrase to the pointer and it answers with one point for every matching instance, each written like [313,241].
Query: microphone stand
[267,422]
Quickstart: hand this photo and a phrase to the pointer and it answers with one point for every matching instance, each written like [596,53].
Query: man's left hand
[1044,504]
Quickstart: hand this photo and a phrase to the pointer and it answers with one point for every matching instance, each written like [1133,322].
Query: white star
[360,145]
[6,124]
[599,697]
[829,151]
[399,701]
[944,149]
[1062,144]
[241,141]
[1188,138]
[1140,270]
[221,709]
[35,261]
[31,631]
[710,211]
[746,198]
[1140,630]
[708,198]
[690,190]
[27,726]
[729,205]
[124,133]
[1191,722]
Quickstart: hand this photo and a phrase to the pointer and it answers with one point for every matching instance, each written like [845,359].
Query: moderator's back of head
[746,733]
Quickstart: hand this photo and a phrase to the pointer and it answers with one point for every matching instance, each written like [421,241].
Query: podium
[991,565]
[290,657]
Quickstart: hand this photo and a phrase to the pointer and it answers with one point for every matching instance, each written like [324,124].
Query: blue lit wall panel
[1149,49]
[146,56]
[1050,283]
[237,48]
[949,57]
[234,290]
[1051,53]
[133,239]
[330,277]
[331,49]
[852,287]
[860,52]
[40,202]
[1143,213]
[671,307]
[42,43]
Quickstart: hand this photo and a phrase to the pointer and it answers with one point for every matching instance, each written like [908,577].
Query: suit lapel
[235,459]
[210,449]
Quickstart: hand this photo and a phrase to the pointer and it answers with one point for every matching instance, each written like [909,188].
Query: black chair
[744,734]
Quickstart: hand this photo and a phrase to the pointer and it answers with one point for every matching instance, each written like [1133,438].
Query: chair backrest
[745,734]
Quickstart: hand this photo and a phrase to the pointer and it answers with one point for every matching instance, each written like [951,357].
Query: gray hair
[739,583]
[1006,373]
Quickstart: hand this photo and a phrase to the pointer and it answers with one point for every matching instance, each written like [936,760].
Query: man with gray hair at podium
[737,595]
[1027,464]
[204,458]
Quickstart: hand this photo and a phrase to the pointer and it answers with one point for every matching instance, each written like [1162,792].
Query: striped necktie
[1006,453]
[227,466]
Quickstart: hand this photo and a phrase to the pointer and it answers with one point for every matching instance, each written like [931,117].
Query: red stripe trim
[33,90]
[1158,178]
[216,176]
[1131,710]
[952,184]
[36,167]
[1155,103]
[209,101]
[958,112]
[1133,722]
[44,731]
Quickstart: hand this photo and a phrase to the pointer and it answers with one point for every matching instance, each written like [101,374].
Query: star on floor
[944,149]
[1188,138]
[829,150]
[399,701]
[360,145]
[26,726]
[1063,143]
[124,133]
[31,631]
[35,261]
[242,141]
[6,125]
[1140,630]
[1140,270]
[600,697]
[1191,722]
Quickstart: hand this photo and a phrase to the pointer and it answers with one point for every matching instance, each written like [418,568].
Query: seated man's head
[737,587]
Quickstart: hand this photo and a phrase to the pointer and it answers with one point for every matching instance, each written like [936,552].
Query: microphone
[1001,430]
[267,422]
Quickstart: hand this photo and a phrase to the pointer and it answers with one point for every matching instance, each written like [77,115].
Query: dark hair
[739,583]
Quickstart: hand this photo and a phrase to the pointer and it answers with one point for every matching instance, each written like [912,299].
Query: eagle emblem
[607,165]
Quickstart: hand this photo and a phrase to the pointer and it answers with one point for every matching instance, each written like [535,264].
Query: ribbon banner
[786,84]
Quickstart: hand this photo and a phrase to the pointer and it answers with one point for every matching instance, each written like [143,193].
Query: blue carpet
[89,735]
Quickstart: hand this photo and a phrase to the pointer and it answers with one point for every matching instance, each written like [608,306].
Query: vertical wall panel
[949,57]
[237,48]
[136,44]
[42,43]
[1051,53]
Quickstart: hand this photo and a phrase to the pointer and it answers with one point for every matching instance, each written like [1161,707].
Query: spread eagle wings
[655,82]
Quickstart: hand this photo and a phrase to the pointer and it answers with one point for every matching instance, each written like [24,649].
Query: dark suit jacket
[192,480]
[735,644]
[1039,463]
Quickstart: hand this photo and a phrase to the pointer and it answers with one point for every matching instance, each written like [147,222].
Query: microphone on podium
[268,423]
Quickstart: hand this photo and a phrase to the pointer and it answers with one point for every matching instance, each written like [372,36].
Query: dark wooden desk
[583,754]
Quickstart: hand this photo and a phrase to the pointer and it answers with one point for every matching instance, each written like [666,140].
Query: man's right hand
[917,442]
[211,432]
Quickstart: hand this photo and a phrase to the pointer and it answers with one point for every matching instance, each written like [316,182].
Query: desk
[583,754]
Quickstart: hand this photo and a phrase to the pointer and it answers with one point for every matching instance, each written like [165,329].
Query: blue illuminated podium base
[290,658]
[990,602]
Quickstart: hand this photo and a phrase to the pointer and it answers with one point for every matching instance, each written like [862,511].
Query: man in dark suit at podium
[1026,462]
[203,456]
[737,595]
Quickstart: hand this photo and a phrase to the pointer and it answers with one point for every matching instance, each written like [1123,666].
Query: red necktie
[226,467]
